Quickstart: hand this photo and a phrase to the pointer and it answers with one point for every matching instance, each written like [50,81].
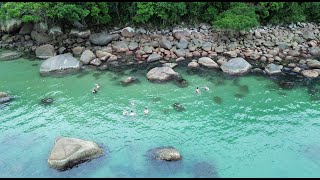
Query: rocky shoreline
[271,50]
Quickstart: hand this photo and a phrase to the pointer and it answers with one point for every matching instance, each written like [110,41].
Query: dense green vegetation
[222,15]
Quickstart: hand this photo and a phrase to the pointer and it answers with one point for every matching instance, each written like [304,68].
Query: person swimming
[132,113]
[125,113]
[206,88]
[95,90]
[198,90]
[132,103]
[146,111]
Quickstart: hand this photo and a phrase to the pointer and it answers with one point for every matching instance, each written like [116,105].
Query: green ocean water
[242,127]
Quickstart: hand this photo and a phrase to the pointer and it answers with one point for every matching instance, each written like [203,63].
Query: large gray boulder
[80,34]
[133,46]
[236,66]
[45,51]
[161,74]
[62,63]
[55,31]
[154,57]
[120,46]
[41,27]
[68,152]
[273,69]
[102,38]
[183,44]
[41,38]
[164,43]
[10,25]
[308,35]
[208,62]
[312,63]
[26,29]
[167,153]
[7,56]
[128,32]
[315,51]
[87,56]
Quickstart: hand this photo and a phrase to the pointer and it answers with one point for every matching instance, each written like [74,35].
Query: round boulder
[45,51]
[161,74]
[310,73]
[87,56]
[68,152]
[60,64]
[208,62]
[236,66]
[273,69]
[167,153]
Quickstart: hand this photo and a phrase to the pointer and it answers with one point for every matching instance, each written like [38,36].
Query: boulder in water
[62,63]
[236,66]
[7,56]
[161,74]
[129,80]
[167,153]
[68,152]
[4,97]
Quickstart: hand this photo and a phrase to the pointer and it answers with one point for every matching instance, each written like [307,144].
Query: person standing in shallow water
[197,90]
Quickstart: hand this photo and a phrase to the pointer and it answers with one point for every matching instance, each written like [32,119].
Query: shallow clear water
[242,127]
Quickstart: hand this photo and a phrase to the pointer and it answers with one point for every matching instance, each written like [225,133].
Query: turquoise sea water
[242,127]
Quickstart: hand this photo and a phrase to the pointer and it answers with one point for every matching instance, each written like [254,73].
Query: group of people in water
[206,88]
[146,110]
[132,112]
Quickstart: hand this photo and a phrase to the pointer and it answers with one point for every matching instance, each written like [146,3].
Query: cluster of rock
[270,49]
[68,152]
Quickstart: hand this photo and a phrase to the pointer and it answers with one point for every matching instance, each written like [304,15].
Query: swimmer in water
[125,113]
[95,90]
[146,111]
[206,88]
[132,113]
[198,90]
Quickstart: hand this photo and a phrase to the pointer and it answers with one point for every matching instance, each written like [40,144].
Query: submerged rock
[62,63]
[4,97]
[178,107]
[129,80]
[236,66]
[167,153]
[244,89]
[68,152]
[180,82]
[238,95]
[6,56]
[217,99]
[46,101]
[204,170]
